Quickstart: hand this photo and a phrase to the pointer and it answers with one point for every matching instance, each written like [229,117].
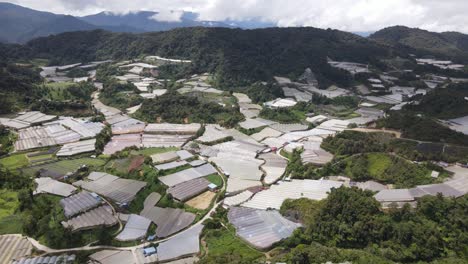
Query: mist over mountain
[19,24]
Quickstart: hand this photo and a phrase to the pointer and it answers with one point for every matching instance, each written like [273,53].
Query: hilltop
[447,44]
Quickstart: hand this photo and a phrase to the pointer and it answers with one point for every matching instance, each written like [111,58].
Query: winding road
[48,250]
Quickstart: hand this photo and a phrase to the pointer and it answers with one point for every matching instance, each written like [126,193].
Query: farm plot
[14,161]
[201,201]
[60,168]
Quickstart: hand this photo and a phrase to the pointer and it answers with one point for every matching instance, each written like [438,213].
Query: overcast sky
[349,15]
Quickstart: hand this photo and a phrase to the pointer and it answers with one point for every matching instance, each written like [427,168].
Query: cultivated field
[201,201]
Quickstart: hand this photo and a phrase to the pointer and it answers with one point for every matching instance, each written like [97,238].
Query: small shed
[149,251]
[212,187]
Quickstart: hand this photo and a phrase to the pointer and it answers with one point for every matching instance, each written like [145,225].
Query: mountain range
[19,24]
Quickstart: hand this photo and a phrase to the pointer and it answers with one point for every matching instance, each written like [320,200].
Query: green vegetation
[77,72]
[341,106]
[8,203]
[353,142]
[17,87]
[421,42]
[57,91]
[422,128]
[11,224]
[297,170]
[260,93]
[118,95]
[317,253]
[7,139]
[102,139]
[175,108]
[41,218]
[216,179]
[381,167]
[282,115]
[301,210]
[15,161]
[64,99]
[444,103]
[384,168]
[64,166]
[153,185]
[225,247]
[236,57]
[351,227]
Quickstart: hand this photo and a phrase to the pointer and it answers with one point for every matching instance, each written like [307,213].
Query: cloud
[168,16]
[350,15]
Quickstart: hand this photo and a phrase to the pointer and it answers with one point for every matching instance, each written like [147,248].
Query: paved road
[46,249]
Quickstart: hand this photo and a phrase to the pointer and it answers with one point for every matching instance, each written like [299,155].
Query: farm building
[164,157]
[27,119]
[79,203]
[151,200]
[62,259]
[459,124]
[86,129]
[112,257]
[48,185]
[295,189]
[286,128]
[266,133]
[171,165]
[314,154]
[237,159]
[76,148]
[260,228]
[168,220]
[213,133]
[253,123]
[38,137]
[182,245]
[126,125]
[120,142]
[273,142]
[197,163]
[274,167]
[238,198]
[166,128]
[135,228]
[120,190]
[14,247]
[186,190]
[281,103]
[164,141]
[100,216]
[62,131]
[455,187]
[351,67]
[300,96]
[187,175]
[184,154]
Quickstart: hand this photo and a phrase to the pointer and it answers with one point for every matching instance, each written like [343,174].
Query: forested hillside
[444,103]
[451,45]
[236,56]
[16,86]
